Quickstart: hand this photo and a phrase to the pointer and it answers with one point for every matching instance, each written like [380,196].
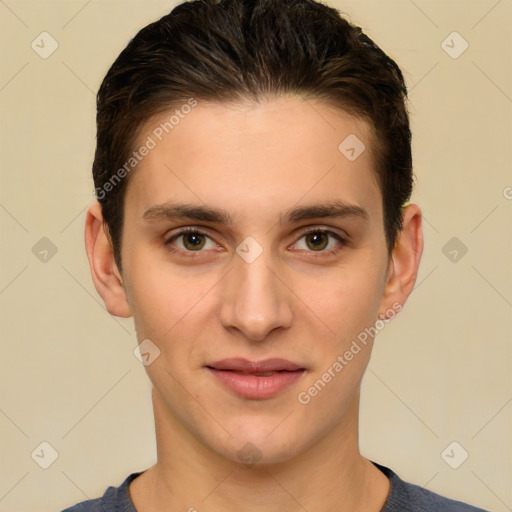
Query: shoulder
[87,506]
[115,499]
[406,497]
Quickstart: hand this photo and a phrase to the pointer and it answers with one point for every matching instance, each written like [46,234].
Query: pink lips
[256,379]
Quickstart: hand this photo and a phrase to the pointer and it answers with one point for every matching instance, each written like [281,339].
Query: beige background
[440,372]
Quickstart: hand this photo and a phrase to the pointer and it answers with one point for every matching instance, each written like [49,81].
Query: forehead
[255,158]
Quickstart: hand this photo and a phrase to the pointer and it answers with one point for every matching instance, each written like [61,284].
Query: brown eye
[321,241]
[189,241]
[317,240]
[193,241]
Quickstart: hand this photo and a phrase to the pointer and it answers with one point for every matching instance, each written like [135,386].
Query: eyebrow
[173,211]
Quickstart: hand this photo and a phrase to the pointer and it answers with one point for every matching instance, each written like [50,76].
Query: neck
[330,475]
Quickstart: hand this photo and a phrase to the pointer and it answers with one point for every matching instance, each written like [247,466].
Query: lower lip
[252,386]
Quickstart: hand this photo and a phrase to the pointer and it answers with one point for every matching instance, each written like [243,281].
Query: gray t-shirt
[402,497]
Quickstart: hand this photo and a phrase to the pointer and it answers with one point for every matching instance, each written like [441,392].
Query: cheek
[350,308]
[349,301]
[163,298]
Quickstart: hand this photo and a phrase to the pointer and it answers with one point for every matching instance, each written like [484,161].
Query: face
[283,256]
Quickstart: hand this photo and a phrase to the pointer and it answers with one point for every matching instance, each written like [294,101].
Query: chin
[261,444]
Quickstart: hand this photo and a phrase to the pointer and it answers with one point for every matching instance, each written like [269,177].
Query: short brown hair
[229,50]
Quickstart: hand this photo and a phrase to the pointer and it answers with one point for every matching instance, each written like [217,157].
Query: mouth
[267,366]
[257,374]
[256,379]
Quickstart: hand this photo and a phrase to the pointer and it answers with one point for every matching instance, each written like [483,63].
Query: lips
[256,379]
[255,367]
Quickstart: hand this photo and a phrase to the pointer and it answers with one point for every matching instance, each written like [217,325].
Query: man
[252,170]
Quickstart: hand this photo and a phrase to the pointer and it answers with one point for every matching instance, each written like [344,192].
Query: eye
[320,240]
[190,240]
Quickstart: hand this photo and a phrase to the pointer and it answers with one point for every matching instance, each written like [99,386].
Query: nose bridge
[255,301]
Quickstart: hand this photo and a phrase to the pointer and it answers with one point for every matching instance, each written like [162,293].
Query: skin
[256,161]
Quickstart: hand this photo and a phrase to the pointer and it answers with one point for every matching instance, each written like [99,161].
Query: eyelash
[343,242]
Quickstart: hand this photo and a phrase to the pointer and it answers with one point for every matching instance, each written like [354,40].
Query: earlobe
[405,259]
[105,274]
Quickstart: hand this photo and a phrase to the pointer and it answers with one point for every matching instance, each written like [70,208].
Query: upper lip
[244,365]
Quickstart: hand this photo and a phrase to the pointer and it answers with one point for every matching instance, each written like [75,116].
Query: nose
[255,300]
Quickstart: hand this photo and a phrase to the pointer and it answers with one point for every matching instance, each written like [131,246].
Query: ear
[105,274]
[404,261]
